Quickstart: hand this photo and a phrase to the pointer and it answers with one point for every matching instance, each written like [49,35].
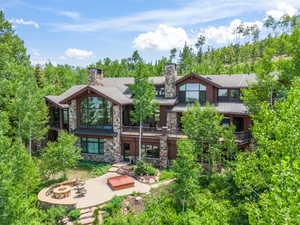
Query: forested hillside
[260,186]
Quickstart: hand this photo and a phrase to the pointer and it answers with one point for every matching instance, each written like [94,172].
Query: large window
[225,95]
[66,119]
[192,92]
[160,91]
[95,112]
[55,118]
[151,151]
[92,145]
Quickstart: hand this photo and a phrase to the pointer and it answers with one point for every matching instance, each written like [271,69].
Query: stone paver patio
[98,192]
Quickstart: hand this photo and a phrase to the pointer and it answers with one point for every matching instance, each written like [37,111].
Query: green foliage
[96,217]
[143,168]
[53,215]
[61,155]
[209,136]
[114,205]
[19,178]
[74,214]
[143,102]
[167,174]
[95,168]
[186,171]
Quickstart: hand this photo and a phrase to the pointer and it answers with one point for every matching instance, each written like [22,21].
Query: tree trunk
[140,141]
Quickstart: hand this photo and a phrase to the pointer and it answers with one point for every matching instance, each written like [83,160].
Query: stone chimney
[170,80]
[95,76]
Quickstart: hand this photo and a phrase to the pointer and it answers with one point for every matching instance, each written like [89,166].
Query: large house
[99,113]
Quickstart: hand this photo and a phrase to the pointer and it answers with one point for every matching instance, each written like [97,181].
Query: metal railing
[242,137]
[145,129]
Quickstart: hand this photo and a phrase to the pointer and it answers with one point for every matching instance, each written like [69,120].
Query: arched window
[192,92]
[95,112]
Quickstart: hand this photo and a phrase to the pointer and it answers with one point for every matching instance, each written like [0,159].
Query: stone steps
[86,217]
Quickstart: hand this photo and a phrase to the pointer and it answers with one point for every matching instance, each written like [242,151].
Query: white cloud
[191,13]
[163,38]
[35,52]
[282,8]
[225,34]
[76,53]
[25,22]
[70,14]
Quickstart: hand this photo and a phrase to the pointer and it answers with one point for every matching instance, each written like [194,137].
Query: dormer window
[192,92]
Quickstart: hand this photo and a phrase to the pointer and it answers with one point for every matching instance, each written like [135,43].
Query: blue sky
[82,32]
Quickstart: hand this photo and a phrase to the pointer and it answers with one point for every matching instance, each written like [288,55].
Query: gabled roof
[116,88]
[199,77]
[232,80]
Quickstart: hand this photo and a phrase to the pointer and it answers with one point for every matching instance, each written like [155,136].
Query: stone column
[172,121]
[163,154]
[73,115]
[117,153]
[170,80]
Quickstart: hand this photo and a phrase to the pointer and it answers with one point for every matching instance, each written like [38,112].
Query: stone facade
[172,121]
[163,154]
[170,83]
[117,152]
[72,115]
[108,155]
[95,76]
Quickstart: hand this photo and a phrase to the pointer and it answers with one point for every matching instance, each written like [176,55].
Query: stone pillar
[95,76]
[117,153]
[163,154]
[73,115]
[172,121]
[170,80]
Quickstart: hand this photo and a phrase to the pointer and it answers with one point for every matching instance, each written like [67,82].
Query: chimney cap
[171,64]
[99,71]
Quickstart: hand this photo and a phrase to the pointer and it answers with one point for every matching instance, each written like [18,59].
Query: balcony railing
[145,129]
[242,137]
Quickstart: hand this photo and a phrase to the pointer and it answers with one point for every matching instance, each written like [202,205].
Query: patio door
[126,152]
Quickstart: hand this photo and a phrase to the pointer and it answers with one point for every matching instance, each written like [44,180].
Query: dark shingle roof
[224,107]
[117,88]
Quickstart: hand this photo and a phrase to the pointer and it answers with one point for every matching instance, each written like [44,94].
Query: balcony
[242,137]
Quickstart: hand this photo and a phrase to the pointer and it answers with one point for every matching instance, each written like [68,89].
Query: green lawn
[85,170]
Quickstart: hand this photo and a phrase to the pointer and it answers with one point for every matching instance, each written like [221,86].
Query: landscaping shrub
[143,168]
[74,215]
[54,215]
[94,168]
[167,174]
[114,205]
[101,169]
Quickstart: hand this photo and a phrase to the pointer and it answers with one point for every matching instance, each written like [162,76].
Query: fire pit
[61,192]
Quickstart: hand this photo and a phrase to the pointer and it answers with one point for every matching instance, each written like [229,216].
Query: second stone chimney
[95,76]
[170,80]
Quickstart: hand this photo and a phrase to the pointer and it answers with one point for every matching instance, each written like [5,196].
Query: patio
[97,192]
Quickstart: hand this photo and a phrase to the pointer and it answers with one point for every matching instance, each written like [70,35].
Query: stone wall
[170,82]
[163,154]
[117,152]
[108,155]
[172,121]
[72,116]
